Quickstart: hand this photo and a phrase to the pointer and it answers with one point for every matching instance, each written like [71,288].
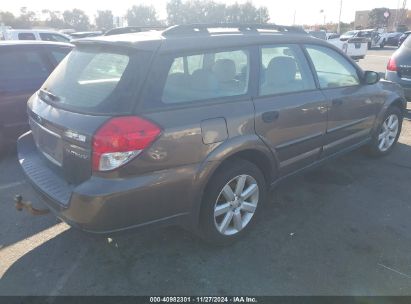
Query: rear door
[22,71]
[291,113]
[353,105]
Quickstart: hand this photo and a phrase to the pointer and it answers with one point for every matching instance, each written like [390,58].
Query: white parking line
[12,253]
[385,56]
[11,185]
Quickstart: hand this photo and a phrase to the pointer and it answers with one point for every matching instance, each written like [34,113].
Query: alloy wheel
[388,133]
[236,204]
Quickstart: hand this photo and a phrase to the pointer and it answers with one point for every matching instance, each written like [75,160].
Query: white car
[374,37]
[356,48]
[46,35]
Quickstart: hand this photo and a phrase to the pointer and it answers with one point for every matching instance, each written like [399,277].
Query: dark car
[393,39]
[24,65]
[399,67]
[403,37]
[193,125]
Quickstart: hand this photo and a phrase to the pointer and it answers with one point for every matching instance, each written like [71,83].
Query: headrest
[224,70]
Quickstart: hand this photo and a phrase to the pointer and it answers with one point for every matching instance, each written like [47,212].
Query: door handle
[337,102]
[270,116]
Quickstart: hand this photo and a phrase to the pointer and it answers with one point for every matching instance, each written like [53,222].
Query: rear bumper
[102,205]
[404,83]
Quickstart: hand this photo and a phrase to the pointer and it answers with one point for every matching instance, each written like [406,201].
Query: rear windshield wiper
[48,95]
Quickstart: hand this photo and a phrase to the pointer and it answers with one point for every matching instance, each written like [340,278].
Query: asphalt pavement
[342,229]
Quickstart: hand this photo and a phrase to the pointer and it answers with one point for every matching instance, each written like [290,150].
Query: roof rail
[242,27]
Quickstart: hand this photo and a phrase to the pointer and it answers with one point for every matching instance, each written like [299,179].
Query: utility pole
[339,19]
[295,12]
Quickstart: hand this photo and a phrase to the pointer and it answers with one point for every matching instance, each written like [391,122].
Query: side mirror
[371,77]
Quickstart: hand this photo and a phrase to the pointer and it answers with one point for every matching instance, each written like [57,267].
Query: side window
[207,75]
[333,70]
[53,37]
[26,36]
[22,70]
[284,70]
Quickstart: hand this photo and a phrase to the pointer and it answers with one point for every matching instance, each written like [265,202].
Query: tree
[208,11]
[7,18]
[26,19]
[104,20]
[76,19]
[142,15]
[174,12]
[247,13]
[376,17]
[54,19]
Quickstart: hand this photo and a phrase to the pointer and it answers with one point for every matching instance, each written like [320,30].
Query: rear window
[96,80]
[407,41]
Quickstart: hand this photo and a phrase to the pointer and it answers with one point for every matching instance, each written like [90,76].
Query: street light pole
[339,19]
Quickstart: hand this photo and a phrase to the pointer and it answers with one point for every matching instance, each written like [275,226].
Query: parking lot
[342,229]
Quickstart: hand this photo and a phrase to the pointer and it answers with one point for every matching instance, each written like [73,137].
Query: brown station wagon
[194,124]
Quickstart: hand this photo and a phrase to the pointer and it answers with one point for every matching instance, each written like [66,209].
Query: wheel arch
[393,101]
[250,148]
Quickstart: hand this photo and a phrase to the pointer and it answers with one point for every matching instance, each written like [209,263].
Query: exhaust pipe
[20,204]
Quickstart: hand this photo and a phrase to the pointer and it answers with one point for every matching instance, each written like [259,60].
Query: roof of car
[172,39]
[32,42]
[33,31]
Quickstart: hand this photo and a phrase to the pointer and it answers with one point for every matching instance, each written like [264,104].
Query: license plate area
[48,142]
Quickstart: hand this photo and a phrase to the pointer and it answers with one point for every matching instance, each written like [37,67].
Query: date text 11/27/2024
[203,300]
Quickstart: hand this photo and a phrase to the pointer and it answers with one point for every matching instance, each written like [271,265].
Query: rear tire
[387,133]
[232,201]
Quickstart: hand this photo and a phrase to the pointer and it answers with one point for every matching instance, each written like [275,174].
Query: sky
[281,12]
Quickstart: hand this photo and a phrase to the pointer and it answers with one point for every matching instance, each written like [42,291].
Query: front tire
[232,201]
[388,132]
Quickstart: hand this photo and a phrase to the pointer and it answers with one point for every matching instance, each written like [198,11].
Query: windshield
[95,80]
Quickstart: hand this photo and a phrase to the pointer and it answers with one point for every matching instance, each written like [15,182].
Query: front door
[352,104]
[291,113]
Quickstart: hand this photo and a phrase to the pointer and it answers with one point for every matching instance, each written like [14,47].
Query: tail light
[392,65]
[120,140]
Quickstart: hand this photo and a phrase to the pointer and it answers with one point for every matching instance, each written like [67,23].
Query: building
[396,17]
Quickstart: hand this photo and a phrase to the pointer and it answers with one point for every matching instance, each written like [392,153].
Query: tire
[238,213]
[369,45]
[382,44]
[376,148]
